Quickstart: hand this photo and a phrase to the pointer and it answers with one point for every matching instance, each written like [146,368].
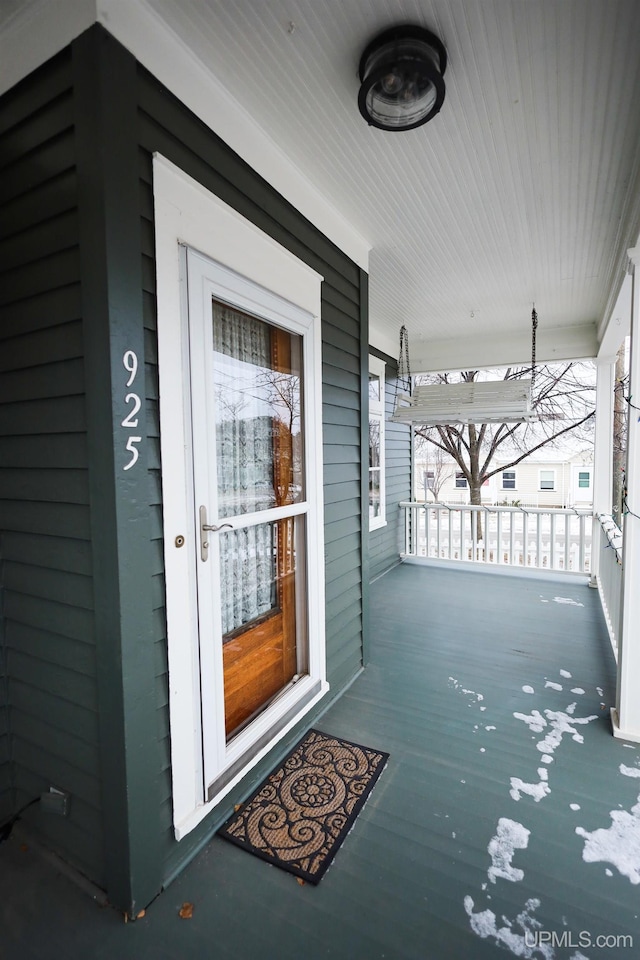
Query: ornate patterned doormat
[301,814]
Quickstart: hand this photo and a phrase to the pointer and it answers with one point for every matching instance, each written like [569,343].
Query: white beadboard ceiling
[526,187]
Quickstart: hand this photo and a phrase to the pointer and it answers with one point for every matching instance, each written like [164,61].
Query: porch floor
[492,696]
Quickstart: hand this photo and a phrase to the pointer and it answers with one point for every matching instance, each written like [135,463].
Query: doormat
[300,815]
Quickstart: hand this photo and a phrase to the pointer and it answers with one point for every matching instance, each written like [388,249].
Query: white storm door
[251,513]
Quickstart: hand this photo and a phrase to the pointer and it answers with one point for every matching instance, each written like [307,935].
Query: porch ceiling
[526,187]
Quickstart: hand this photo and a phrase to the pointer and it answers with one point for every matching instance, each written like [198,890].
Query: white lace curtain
[244,446]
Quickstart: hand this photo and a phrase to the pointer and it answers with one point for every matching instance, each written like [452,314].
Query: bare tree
[437,470]
[563,403]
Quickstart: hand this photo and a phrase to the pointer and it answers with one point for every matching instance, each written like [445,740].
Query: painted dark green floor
[469,674]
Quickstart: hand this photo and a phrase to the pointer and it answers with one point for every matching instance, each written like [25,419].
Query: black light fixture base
[401,74]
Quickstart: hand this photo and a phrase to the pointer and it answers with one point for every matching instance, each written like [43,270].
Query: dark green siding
[84,630]
[385,544]
[6,786]
[168,128]
[48,726]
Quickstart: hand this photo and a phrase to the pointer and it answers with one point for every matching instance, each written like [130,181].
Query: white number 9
[130,363]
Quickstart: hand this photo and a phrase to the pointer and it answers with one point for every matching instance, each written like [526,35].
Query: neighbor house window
[584,479]
[461,480]
[547,479]
[376,443]
[508,480]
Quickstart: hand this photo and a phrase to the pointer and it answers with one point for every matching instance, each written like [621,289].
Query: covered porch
[506,819]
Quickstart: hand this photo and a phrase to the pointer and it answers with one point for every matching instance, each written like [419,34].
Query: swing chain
[404,369]
[534,327]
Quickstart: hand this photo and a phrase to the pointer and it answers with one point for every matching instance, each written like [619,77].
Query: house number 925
[130,422]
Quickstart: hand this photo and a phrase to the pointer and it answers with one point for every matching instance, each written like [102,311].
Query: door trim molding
[188,215]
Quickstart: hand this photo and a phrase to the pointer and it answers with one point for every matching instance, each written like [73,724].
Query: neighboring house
[560,482]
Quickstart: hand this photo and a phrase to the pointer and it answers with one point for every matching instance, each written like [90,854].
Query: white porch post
[603,455]
[626,715]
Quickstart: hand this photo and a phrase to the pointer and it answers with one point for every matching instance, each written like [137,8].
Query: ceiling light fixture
[401,73]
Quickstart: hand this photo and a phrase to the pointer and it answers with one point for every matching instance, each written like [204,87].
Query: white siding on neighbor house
[528,489]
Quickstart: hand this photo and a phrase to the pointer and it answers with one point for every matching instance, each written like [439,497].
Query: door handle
[206,528]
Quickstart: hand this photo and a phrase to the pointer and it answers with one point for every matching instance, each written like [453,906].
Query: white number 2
[133,450]
[128,420]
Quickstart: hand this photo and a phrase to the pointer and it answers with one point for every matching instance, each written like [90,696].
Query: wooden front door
[246,375]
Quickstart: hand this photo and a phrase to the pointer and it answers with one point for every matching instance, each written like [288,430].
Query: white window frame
[186,214]
[588,471]
[552,471]
[377,367]
[515,479]
[460,482]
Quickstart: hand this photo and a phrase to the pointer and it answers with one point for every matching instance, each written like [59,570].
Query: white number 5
[133,450]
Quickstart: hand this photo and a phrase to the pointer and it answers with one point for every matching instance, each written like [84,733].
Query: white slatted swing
[476,401]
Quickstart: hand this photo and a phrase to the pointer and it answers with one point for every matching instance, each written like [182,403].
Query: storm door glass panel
[259,467]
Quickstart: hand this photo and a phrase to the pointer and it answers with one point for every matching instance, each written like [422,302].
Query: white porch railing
[607,542]
[547,539]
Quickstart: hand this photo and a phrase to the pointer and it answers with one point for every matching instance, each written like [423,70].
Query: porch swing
[476,401]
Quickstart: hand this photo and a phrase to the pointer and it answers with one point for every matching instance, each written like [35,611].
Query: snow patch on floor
[629,771]
[565,674]
[469,693]
[578,690]
[562,724]
[522,944]
[536,790]
[618,844]
[569,600]
[528,689]
[535,721]
[510,836]
[574,806]
[553,685]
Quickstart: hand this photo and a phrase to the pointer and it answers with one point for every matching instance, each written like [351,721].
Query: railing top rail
[612,532]
[494,508]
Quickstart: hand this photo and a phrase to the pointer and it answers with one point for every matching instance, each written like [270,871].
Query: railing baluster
[454,542]
[474,534]
[511,537]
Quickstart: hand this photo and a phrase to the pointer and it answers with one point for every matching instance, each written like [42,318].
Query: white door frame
[252,270]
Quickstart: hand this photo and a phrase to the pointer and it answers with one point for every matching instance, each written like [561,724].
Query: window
[461,480]
[376,443]
[547,479]
[508,480]
[584,479]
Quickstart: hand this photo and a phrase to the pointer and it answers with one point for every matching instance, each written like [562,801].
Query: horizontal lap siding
[153,435]
[385,544]
[6,778]
[168,128]
[48,719]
